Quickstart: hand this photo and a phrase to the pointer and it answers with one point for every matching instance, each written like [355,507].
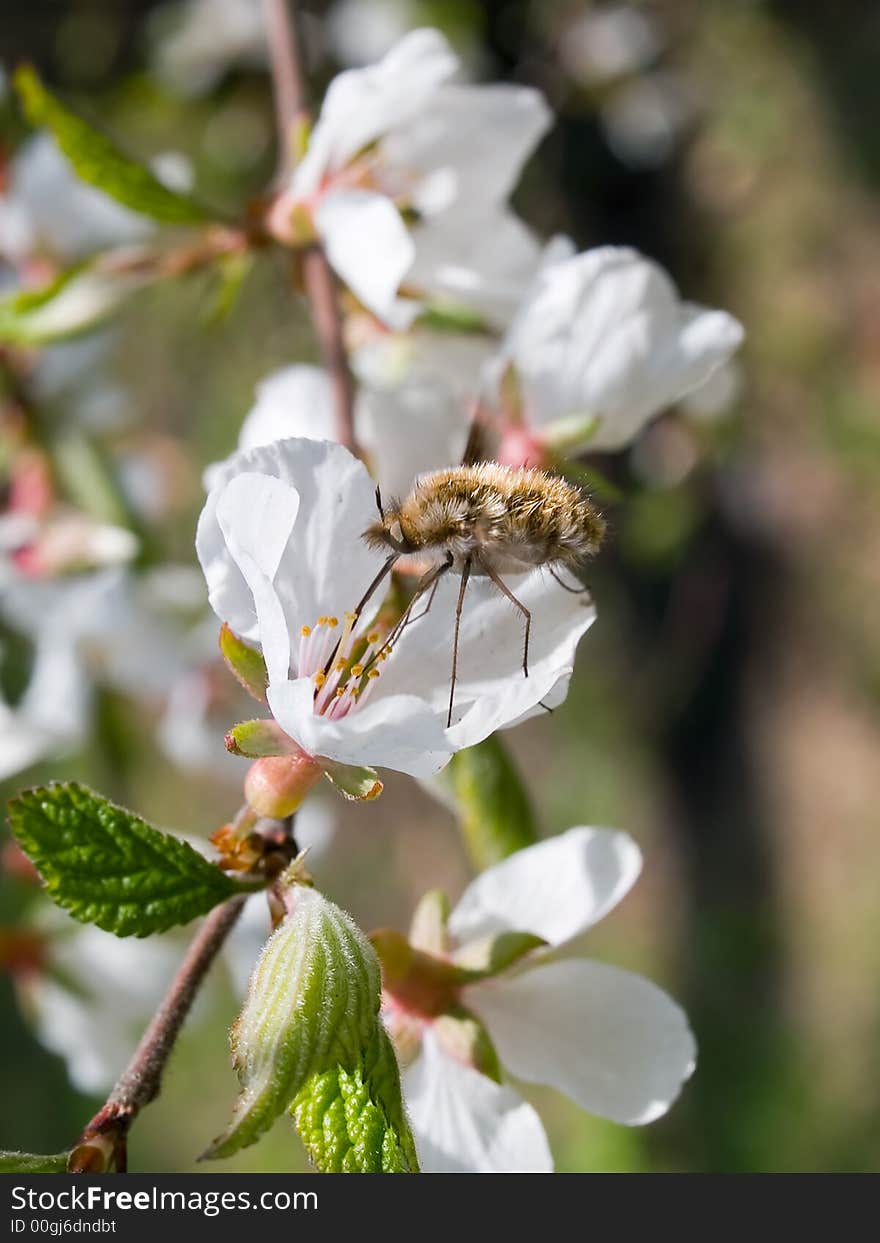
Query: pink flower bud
[277,784]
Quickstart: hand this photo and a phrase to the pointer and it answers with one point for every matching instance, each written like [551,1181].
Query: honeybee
[486,520]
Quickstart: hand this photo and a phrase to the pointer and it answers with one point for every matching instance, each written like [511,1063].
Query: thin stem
[141,1080]
[291,108]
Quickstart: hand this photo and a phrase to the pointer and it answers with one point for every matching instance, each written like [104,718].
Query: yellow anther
[373,636]
[355,692]
[340,665]
[320,678]
[332,621]
[340,692]
[374,673]
[382,656]
[306,631]
[357,671]
[352,617]
[322,621]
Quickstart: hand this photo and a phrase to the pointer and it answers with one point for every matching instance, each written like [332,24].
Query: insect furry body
[487,520]
[491,519]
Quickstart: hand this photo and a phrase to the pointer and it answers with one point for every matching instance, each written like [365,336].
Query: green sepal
[256,739]
[32,1163]
[493,954]
[495,815]
[107,866]
[245,663]
[464,1038]
[98,161]
[356,784]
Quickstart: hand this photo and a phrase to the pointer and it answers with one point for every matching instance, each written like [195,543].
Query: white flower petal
[327,567]
[470,145]
[368,246]
[612,1041]
[256,514]
[294,401]
[491,691]
[400,732]
[604,333]
[363,104]
[464,1122]
[556,889]
[416,427]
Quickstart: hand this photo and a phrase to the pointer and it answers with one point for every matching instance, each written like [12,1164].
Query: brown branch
[103,1142]
[291,109]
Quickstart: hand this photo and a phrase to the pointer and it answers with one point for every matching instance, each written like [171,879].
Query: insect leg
[505,591]
[465,575]
[379,502]
[429,580]
[583,590]
[364,600]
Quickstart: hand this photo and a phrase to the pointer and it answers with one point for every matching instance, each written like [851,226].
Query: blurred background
[726,707]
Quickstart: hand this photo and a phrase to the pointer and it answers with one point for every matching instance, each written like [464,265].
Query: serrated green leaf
[108,867]
[98,161]
[245,663]
[495,815]
[310,1038]
[32,1163]
[77,301]
[344,1119]
[356,784]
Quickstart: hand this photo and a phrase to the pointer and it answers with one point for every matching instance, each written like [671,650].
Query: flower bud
[277,784]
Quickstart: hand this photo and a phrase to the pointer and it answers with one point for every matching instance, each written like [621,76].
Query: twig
[104,1140]
[288,83]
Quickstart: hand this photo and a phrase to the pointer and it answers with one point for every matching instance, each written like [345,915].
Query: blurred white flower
[48,210]
[603,343]
[280,544]
[208,38]
[413,426]
[611,1041]
[608,43]
[645,119]
[401,138]
[362,31]
[714,398]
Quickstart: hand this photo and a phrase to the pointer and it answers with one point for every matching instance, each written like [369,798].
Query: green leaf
[245,663]
[356,784]
[309,1038]
[256,739]
[31,1163]
[108,867]
[98,161]
[495,815]
[343,1119]
[75,302]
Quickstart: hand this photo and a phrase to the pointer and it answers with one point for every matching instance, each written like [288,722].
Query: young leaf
[495,815]
[108,867]
[98,161]
[31,1163]
[344,1118]
[310,1038]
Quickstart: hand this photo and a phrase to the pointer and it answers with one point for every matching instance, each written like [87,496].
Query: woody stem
[291,109]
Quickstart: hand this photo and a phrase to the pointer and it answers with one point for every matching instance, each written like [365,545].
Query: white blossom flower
[611,1041]
[47,209]
[401,137]
[603,343]
[415,425]
[280,544]
[210,37]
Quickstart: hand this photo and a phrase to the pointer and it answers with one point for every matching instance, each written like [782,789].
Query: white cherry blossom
[603,342]
[611,1041]
[402,137]
[280,544]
